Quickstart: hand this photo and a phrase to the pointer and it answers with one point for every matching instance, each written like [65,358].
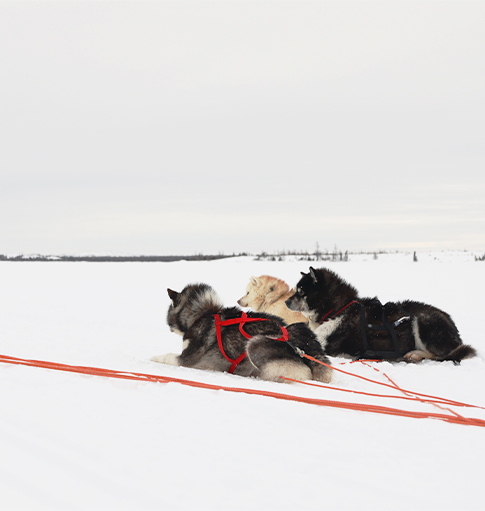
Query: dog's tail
[306,343]
[462,352]
[321,372]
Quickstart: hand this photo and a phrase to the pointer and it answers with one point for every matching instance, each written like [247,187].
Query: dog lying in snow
[268,294]
[219,338]
[364,328]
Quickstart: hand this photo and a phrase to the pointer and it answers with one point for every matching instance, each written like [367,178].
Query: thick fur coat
[192,315]
[341,319]
[269,294]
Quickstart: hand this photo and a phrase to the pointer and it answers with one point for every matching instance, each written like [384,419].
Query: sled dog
[269,294]
[347,325]
[246,344]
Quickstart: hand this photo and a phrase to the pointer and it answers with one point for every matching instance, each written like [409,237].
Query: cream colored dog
[268,294]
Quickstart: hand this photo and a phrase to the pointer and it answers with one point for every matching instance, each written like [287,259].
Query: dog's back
[268,294]
[349,325]
[246,344]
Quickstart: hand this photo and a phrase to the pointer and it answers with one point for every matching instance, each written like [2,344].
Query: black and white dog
[218,338]
[347,325]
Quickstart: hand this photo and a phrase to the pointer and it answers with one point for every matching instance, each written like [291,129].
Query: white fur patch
[417,338]
[273,371]
[327,328]
[169,358]
[210,296]
[420,352]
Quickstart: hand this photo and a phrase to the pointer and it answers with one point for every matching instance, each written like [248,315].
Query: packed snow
[72,441]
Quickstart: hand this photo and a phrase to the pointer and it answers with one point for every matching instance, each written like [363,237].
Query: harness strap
[241,321]
[390,328]
[329,315]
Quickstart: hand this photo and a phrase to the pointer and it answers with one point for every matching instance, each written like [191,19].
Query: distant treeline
[264,256]
[305,256]
[336,255]
[113,259]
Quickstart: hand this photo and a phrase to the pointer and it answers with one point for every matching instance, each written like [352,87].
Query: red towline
[110,373]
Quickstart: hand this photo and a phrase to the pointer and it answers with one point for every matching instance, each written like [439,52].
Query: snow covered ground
[71,441]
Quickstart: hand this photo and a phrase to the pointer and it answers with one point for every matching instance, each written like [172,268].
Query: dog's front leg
[169,358]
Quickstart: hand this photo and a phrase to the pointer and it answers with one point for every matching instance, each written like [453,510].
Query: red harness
[241,321]
[328,316]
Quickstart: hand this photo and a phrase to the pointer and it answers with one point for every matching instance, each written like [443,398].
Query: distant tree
[317,253]
[334,255]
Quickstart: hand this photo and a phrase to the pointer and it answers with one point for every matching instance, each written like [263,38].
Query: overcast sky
[187,127]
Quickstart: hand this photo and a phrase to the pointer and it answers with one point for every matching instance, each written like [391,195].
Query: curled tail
[462,352]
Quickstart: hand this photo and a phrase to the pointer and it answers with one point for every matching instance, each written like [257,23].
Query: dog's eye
[271,289]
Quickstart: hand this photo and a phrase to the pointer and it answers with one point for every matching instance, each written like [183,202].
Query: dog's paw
[416,355]
[168,358]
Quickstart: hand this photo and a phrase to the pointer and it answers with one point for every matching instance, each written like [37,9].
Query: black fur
[320,292]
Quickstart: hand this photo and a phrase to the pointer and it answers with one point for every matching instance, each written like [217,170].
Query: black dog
[347,325]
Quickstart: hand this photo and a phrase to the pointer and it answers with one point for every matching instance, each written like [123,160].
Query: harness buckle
[297,350]
[401,320]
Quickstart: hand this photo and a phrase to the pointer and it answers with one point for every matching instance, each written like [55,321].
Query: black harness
[390,328]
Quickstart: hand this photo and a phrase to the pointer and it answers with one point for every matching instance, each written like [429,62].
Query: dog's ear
[303,273]
[254,281]
[313,274]
[173,295]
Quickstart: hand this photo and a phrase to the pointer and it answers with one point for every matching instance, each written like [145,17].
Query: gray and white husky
[347,325]
[246,344]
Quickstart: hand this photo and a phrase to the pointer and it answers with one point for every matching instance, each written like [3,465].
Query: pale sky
[207,127]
